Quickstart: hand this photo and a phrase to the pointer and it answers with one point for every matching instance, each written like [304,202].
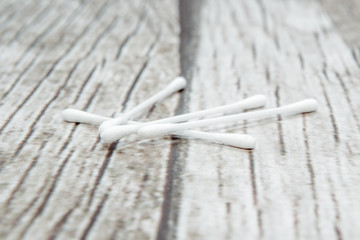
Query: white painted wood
[301,181]
[57,181]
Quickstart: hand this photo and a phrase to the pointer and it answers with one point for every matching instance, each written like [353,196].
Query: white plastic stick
[74,115]
[230,139]
[114,133]
[176,85]
[158,130]
[255,101]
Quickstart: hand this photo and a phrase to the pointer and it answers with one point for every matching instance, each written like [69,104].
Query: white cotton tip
[156,130]
[109,123]
[304,106]
[255,101]
[177,84]
[235,140]
[78,116]
[112,134]
[70,115]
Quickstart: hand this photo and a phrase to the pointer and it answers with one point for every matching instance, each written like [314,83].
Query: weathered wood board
[58,181]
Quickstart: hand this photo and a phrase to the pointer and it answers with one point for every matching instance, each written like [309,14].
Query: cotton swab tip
[69,114]
[109,123]
[236,140]
[115,133]
[156,130]
[255,101]
[178,83]
[78,116]
[304,106]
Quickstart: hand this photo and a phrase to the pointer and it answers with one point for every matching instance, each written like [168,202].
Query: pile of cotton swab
[113,129]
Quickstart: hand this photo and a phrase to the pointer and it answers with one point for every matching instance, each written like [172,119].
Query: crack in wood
[50,71]
[337,228]
[131,35]
[83,85]
[113,145]
[94,217]
[348,99]
[189,12]
[279,124]
[24,175]
[331,111]
[38,18]
[255,194]
[311,171]
[48,195]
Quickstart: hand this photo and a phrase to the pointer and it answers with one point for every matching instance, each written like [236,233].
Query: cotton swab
[111,134]
[74,115]
[176,85]
[114,133]
[158,130]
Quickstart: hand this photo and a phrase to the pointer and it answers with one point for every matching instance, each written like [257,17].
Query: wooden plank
[301,181]
[57,180]
[346,18]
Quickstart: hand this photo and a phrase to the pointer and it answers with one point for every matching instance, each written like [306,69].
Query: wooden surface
[57,181]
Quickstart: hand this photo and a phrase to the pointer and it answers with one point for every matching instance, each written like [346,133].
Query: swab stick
[230,139]
[114,133]
[176,85]
[158,130]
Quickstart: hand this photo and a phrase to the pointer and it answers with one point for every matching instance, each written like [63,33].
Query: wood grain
[58,181]
[97,56]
